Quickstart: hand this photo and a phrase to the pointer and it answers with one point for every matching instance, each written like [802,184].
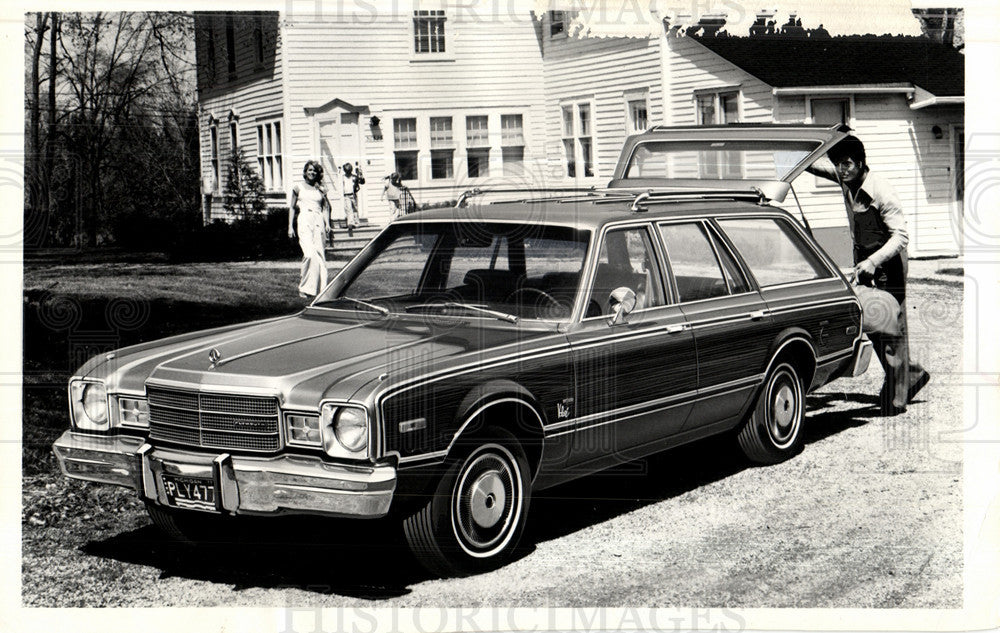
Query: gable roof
[785,62]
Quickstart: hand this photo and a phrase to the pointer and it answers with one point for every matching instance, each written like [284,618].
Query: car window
[697,273]
[626,259]
[734,276]
[774,251]
[529,271]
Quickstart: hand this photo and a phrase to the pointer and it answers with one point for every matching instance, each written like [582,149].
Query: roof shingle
[786,62]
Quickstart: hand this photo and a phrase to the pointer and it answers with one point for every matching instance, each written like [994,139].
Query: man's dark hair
[848,147]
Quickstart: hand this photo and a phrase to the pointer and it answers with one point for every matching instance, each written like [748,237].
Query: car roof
[593,211]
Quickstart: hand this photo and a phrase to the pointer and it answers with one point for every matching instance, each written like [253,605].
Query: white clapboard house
[454,99]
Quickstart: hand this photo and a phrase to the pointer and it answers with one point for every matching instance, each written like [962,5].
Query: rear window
[774,251]
[717,160]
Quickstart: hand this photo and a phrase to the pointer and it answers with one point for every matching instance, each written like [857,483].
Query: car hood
[791,147]
[301,359]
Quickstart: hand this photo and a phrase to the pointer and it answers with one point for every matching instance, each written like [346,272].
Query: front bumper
[243,484]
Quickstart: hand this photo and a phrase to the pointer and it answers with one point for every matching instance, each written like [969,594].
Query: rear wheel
[772,432]
[474,518]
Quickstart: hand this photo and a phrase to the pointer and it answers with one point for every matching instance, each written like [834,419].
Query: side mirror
[622,301]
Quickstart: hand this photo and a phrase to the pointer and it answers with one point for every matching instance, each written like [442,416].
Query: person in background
[393,193]
[878,232]
[351,181]
[309,217]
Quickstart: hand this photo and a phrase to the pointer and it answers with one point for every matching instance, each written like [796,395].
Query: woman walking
[312,209]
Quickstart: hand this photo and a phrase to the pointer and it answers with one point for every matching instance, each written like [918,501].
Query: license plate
[189,492]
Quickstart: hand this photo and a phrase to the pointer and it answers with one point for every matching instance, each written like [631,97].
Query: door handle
[674,329]
[756,315]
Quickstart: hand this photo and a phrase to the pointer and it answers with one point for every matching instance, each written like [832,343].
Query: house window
[428,31]
[269,155]
[213,132]
[584,139]
[442,148]
[638,115]
[404,134]
[714,108]
[830,111]
[557,23]
[234,136]
[512,143]
[719,108]
[477,142]
[569,145]
[258,40]
[578,140]
[230,45]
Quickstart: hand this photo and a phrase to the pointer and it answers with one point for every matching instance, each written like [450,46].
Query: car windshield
[717,159]
[480,269]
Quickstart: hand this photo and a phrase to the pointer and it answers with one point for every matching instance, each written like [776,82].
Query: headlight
[345,430]
[134,412]
[351,427]
[89,405]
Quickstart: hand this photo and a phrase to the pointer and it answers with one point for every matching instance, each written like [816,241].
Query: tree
[244,190]
[121,121]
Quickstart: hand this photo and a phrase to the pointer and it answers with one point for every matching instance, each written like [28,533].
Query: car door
[728,317]
[634,378]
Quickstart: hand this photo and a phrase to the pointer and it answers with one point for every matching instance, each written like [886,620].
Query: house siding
[252,92]
[691,67]
[492,67]
[602,72]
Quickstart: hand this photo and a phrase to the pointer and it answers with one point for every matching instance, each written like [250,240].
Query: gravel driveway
[869,515]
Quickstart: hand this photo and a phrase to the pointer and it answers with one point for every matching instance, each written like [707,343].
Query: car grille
[211,420]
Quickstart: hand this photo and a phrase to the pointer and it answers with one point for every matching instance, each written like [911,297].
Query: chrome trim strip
[692,396]
[422,457]
[829,358]
[208,389]
[702,395]
[813,304]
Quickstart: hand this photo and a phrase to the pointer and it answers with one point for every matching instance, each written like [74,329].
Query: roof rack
[637,196]
[479,191]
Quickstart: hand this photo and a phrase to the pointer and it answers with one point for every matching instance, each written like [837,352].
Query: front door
[635,378]
[339,143]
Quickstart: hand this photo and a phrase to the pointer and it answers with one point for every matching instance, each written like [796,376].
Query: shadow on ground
[370,560]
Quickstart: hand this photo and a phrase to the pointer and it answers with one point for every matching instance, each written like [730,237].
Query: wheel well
[519,418]
[800,354]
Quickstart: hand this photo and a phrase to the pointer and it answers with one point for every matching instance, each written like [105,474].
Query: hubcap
[488,499]
[784,407]
[785,410]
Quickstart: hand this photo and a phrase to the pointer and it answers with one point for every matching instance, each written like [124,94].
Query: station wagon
[467,357]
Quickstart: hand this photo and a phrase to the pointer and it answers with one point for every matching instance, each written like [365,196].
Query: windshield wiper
[503,316]
[380,309]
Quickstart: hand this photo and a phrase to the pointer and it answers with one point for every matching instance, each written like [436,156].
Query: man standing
[878,230]
[351,180]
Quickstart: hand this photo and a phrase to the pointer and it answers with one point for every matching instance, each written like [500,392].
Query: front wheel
[474,519]
[772,432]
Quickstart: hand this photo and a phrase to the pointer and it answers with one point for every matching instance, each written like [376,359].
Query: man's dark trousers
[892,348]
